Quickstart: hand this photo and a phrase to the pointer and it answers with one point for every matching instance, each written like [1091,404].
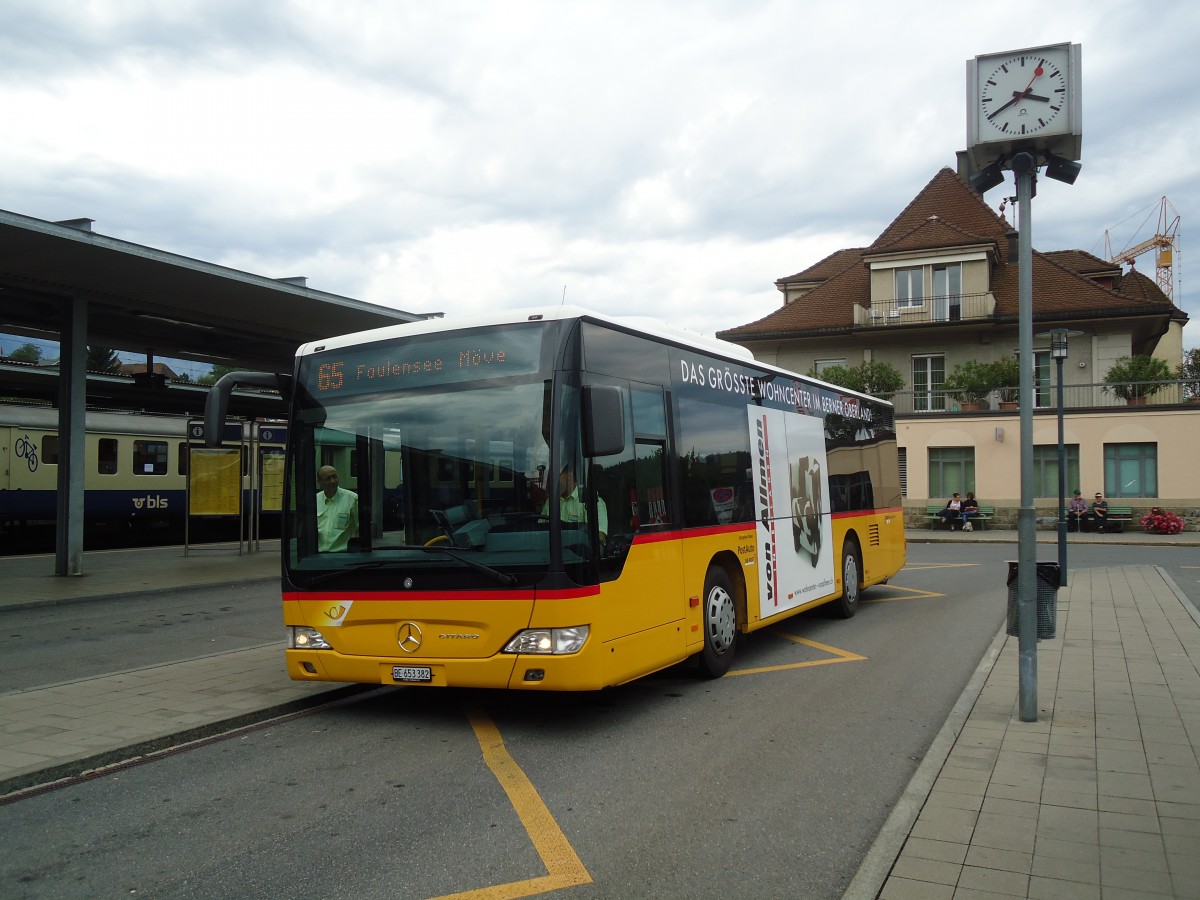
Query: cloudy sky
[653,158]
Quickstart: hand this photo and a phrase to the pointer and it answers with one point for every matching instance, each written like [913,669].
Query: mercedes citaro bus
[560,500]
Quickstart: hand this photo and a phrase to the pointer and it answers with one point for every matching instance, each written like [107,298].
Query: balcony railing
[926,310]
[1075,396]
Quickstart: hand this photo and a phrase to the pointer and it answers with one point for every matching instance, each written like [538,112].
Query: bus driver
[337,513]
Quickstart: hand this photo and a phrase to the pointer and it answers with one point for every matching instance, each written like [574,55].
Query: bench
[979,519]
[1121,515]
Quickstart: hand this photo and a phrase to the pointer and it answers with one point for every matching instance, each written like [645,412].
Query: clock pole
[1024,109]
[1024,167]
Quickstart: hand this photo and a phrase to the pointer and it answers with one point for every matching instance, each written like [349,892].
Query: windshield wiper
[503,577]
[352,567]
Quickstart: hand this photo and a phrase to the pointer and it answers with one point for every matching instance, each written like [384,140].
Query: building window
[149,457]
[822,364]
[951,469]
[910,287]
[947,292]
[928,379]
[1045,469]
[1131,470]
[903,451]
[106,456]
[1043,396]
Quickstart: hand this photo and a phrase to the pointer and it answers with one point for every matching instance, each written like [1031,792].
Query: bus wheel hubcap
[721,620]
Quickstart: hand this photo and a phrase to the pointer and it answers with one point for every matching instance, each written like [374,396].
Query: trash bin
[1047,599]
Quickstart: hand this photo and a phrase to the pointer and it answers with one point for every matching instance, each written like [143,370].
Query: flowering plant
[1162,521]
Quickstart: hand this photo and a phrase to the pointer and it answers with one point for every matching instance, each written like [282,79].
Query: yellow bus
[560,500]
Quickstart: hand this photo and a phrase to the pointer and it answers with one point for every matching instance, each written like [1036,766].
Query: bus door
[642,563]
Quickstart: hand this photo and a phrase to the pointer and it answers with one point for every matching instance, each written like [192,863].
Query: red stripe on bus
[448,596]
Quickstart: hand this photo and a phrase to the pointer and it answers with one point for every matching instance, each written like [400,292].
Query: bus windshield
[441,478]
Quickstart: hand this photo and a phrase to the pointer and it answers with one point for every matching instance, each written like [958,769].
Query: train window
[106,456]
[149,457]
[50,450]
[184,449]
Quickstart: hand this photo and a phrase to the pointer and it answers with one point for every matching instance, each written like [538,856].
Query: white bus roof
[649,326]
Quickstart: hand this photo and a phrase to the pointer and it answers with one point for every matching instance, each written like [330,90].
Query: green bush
[971,381]
[1007,371]
[879,379]
[1133,376]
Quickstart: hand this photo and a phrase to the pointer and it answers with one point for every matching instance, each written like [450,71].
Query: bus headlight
[556,641]
[301,637]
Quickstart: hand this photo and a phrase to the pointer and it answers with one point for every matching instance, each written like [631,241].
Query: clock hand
[1037,72]
[997,111]
[1035,97]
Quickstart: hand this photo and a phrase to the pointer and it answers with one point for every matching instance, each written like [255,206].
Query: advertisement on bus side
[793,528]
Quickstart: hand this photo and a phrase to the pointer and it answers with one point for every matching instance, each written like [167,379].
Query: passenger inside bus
[337,513]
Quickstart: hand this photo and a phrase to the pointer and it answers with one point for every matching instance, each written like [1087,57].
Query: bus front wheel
[847,605]
[720,624]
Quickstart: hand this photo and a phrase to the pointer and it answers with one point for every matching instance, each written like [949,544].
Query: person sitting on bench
[953,511]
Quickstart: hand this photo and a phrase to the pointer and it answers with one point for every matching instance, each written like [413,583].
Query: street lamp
[1058,352]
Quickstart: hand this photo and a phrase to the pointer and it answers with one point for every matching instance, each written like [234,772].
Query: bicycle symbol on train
[27,450]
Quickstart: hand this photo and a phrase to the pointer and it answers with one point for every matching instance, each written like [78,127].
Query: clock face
[1023,94]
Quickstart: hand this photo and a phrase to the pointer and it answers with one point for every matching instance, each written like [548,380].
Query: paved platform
[1100,797]
[27,581]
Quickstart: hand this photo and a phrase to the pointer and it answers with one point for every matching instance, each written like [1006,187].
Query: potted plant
[1007,372]
[970,383]
[1134,378]
[1189,373]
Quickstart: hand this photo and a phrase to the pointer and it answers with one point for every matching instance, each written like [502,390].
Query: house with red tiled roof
[938,288]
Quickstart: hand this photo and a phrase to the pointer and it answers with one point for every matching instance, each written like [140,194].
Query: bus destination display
[424,362]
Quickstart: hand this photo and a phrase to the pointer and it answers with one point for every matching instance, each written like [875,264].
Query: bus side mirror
[603,420]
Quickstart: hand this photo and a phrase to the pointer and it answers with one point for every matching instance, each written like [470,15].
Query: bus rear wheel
[847,605]
[720,624]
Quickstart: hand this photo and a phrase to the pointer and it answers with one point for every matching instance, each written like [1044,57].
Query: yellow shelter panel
[215,481]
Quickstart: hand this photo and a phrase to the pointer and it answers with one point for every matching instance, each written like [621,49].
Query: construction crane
[1164,241]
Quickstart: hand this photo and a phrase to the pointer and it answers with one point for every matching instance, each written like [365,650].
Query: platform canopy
[167,306]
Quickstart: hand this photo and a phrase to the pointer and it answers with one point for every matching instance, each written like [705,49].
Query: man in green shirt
[337,513]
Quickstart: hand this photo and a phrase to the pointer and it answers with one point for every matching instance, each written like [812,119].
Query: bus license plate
[412,673]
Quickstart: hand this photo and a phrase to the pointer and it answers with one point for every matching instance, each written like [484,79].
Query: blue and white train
[135,465]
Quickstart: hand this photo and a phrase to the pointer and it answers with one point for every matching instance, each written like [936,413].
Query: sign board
[215,481]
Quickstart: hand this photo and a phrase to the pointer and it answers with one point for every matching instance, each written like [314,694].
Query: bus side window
[650,453]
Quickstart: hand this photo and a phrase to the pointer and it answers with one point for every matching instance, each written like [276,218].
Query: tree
[27,353]
[215,373]
[1189,372]
[102,359]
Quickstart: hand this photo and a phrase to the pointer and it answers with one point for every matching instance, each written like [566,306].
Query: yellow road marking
[563,866]
[838,656]
[914,593]
[924,566]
